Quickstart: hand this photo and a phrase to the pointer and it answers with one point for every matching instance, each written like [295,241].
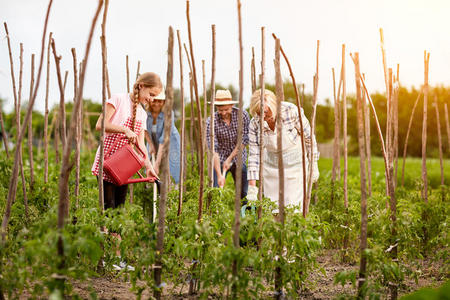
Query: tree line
[325,117]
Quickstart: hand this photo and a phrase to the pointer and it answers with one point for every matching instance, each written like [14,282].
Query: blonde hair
[148,79]
[269,99]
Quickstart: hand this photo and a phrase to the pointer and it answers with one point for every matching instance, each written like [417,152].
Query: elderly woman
[155,138]
[292,150]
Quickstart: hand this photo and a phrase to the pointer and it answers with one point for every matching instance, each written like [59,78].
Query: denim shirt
[174,151]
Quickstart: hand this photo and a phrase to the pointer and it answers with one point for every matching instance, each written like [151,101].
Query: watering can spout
[144,179]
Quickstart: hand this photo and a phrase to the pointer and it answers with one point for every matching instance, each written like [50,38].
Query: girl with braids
[125,117]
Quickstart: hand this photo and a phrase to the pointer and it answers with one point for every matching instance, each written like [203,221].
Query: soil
[320,286]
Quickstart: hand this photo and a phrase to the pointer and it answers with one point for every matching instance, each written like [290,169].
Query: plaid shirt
[290,120]
[225,136]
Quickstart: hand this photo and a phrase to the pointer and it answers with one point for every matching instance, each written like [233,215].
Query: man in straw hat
[225,140]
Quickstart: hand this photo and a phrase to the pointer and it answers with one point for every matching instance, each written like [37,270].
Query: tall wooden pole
[137,69]
[336,131]
[362,161]
[390,188]
[424,128]
[128,74]
[66,166]
[15,171]
[183,131]
[405,145]
[447,124]
[253,71]
[313,128]
[205,116]
[193,144]
[388,101]
[164,169]
[192,132]
[281,217]
[30,131]
[101,196]
[239,162]
[18,110]
[199,116]
[261,122]
[17,98]
[77,129]
[395,120]
[5,141]
[302,137]
[46,112]
[438,123]
[211,108]
[344,125]
[4,135]
[61,85]
[366,110]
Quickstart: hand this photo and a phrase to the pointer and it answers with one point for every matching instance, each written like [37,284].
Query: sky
[139,29]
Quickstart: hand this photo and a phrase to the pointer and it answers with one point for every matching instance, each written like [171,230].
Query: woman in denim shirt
[155,129]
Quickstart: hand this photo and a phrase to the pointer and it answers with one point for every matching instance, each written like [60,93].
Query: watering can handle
[115,143]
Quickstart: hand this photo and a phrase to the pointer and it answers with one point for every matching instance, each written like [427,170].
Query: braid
[135,104]
[148,79]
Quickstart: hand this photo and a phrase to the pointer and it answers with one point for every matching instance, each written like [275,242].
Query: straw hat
[161,96]
[223,97]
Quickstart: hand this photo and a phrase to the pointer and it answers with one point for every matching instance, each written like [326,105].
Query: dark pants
[114,195]
[244,182]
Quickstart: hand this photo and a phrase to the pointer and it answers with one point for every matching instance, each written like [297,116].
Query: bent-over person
[225,140]
[292,151]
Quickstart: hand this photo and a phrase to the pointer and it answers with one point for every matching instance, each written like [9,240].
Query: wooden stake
[362,161]
[205,116]
[367,139]
[395,120]
[30,133]
[4,135]
[393,203]
[5,140]
[447,125]
[101,196]
[164,169]
[13,179]
[62,114]
[19,100]
[19,96]
[261,122]
[67,165]
[183,134]
[344,115]
[313,127]
[199,116]
[424,129]
[77,129]
[405,147]
[280,218]
[302,138]
[439,139]
[56,136]
[128,76]
[211,108]
[46,112]
[137,69]
[336,161]
[388,97]
[253,71]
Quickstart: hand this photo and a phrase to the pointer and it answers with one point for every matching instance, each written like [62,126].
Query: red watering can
[124,163]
